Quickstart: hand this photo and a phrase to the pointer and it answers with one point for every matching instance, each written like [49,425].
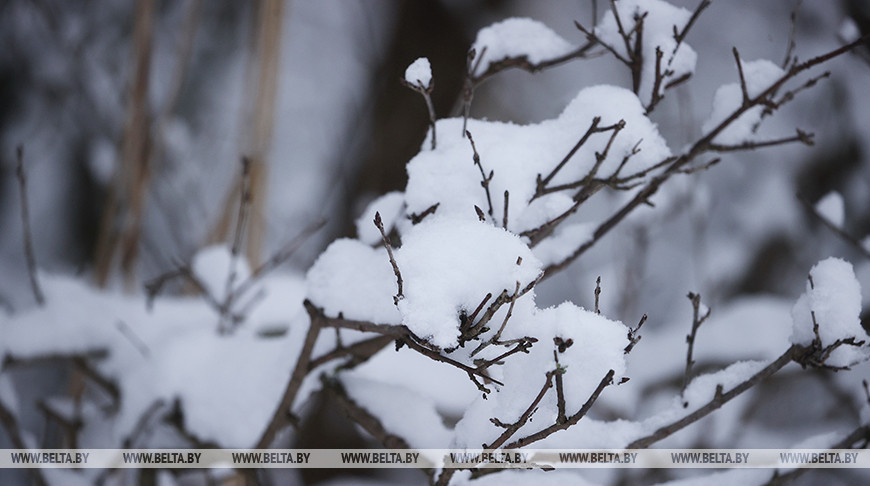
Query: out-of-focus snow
[214,264]
[173,352]
[517,38]
[832,208]
[356,280]
[391,206]
[833,299]
[759,75]
[419,72]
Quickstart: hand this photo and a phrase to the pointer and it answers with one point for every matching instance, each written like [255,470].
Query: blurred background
[133,116]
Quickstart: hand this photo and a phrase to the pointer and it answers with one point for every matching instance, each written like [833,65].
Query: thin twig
[718,400]
[789,50]
[357,352]
[30,257]
[226,323]
[801,136]
[572,420]
[386,240]
[561,416]
[514,427]
[743,89]
[675,165]
[426,93]
[597,293]
[633,337]
[485,180]
[416,218]
[504,219]
[697,320]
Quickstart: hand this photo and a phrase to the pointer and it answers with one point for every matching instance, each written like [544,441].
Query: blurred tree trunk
[122,217]
[262,90]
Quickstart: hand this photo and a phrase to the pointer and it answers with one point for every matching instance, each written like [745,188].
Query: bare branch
[597,293]
[386,240]
[416,218]
[718,400]
[485,180]
[789,50]
[633,337]
[674,166]
[279,418]
[801,136]
[426,93]
[357,352]
[572,420]
[514,427]
[697,320]
[743,88]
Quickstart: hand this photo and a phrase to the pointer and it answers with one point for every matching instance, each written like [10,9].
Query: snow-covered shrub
[432,312]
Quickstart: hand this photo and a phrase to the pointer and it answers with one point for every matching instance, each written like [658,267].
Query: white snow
[831,208]
[449,265]
[516,38]
[214,264]
[172,352]
[834,297]
[517,154]
[759,76]
[391,206]
[419,73]
[356,280]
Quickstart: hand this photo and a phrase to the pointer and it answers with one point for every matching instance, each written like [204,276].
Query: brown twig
[743,89]
[485,180]
[720,398]
[386,240]
[29,255]
[597,293]
[426,93]
[511,429]
[801,136]
[633,337]
[572,420]
[357,352]
[697,320]
[279,418]
[789,50]
[701,146]
[416,218]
